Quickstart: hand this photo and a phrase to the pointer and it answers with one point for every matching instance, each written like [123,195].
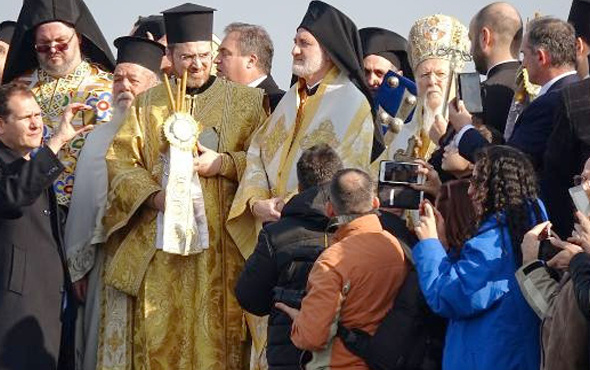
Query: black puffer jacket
[278,270]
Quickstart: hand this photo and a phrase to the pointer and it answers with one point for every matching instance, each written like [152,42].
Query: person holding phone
[490,324]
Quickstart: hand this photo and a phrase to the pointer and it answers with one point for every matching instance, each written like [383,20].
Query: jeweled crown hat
[439,36]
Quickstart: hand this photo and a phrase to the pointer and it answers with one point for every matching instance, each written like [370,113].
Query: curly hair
[505,183]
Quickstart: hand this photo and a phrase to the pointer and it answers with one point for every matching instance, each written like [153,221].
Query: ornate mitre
[439,36]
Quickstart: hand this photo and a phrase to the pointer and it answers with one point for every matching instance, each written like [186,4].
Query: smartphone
[469,91]
[399,196]
[580,199]
[400,173]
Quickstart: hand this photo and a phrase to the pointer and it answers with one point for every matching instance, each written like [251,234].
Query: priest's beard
[55,68]
[123,101]
[197,77]
[305,67]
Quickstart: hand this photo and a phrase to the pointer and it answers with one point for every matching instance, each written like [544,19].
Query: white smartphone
[580,199]
[400,173]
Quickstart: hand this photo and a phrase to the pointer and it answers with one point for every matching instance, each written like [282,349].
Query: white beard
[429,114]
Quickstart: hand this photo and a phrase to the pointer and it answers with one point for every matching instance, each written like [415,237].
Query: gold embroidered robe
[337,114]
[87,84]
[162,310]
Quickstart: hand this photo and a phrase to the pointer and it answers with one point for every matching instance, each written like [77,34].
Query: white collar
[257,81]
[497,64]
[548,85]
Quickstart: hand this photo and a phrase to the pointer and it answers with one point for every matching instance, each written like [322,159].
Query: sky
[281,18]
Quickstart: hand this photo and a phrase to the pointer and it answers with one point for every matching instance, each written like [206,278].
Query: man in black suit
[33,273]
[568,147]
[245,57]
[549,50]
[495,33]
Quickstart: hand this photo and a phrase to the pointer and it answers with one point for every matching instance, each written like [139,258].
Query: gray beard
[58,71]
[428,116]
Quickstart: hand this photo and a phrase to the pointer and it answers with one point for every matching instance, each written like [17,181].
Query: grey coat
[32,273]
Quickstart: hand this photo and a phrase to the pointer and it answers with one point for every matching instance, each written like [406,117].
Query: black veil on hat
[153,24]
[22,57]
[139,50]
[386,44]
[579,17]
[7,31]
[338,35]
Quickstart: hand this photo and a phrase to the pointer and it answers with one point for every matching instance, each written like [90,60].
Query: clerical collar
[198,90]
[310,90]
[257,81]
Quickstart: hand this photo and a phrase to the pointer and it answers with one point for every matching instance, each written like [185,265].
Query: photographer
[490,324]
[564,328]
[354,281]
[35,288]
[285,253]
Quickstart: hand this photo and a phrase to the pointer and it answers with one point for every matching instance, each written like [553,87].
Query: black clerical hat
[138,50]
[386,44]
[338,35]
[153,24]
[580,18]
[188,22]
[6,31]
[22,57]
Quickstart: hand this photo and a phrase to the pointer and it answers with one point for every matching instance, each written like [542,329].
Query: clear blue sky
[281,17]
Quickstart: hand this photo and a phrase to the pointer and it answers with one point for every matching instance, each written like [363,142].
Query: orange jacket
[354,281]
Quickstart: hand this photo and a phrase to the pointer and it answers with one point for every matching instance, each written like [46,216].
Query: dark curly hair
[505,182]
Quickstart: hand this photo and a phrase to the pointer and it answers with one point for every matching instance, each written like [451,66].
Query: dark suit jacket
[497,94]
[534,126]
[272,91]
[32,265]
[568,148]
[532,129]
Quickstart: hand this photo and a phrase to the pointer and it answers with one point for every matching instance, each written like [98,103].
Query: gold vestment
[170,311]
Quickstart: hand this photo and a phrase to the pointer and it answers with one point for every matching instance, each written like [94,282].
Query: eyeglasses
[59,46]
[439,76]
[194,57]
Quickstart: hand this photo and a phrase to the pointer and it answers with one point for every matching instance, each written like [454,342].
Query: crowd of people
[173,208]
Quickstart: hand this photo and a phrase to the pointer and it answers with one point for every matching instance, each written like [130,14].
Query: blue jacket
[491,325]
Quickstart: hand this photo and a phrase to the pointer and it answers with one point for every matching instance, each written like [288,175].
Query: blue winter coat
[491,325]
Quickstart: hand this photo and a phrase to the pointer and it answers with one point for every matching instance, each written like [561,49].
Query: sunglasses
[58,46]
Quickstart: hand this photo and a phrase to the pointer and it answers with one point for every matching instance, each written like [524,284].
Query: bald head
[504,21]
[351,192]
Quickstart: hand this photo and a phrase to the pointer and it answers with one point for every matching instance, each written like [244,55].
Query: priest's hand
[438,128]
[458,115]
[81,288]
[157,201]
[66,131]
[268,210]
[208,163]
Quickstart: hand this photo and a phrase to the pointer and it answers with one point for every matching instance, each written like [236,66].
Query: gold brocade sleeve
[130,178]
[241,223]
[233,163]
[355,149]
